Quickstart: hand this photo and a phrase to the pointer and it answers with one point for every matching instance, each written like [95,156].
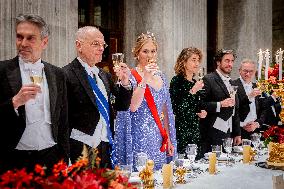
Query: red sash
[152,106]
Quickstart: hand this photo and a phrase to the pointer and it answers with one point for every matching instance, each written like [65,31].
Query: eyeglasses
[248,71]
[97,44]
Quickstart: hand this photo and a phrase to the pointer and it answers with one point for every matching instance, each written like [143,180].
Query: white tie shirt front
[100,133]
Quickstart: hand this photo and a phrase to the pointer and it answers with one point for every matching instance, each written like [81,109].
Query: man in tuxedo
[222,119]
[34,123]
[92,97]
[273,103]
[252,107]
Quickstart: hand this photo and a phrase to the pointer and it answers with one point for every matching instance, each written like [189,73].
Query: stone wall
[62,17]
[176,24]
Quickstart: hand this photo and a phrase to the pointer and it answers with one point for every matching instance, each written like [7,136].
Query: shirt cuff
[218,107]
[127,87]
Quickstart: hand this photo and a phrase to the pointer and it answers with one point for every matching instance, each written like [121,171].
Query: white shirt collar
[244,83]
[90,70]
[223,77]
[27,66]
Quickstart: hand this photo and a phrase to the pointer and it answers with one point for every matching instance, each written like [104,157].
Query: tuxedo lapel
[14,76]
[82,75]
[256,99]
[241,89]
[51,81]
[220,82]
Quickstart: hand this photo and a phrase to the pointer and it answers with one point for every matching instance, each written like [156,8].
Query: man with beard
[33,108]
[222,120]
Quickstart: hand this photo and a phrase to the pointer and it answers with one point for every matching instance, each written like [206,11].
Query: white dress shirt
[38,133]
[252,113]
[221,124]
[100,133]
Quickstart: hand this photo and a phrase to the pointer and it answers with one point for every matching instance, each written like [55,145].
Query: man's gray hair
[81,33]
[36,20]
[246,60]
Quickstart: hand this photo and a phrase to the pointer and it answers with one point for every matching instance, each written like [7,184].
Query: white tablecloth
[240,176]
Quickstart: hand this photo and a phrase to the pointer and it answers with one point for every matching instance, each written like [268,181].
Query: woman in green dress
[184,91]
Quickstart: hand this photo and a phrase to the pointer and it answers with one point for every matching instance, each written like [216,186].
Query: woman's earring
[137,57]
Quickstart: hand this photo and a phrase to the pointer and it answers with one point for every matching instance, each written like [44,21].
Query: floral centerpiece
[80,175]
[274,138]
[273,134]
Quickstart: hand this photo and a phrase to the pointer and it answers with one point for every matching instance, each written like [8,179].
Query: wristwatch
[141,85]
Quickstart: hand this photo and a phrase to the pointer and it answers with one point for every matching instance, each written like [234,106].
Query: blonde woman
[149,124]
[185,98]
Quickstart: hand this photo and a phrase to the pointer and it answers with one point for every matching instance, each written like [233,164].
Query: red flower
[274,134]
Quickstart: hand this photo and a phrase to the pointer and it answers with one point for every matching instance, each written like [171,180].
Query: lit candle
[266,64]
[260,59]
[280,54]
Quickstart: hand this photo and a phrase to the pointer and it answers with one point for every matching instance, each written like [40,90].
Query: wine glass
[233,90]
[260,85]
[191,151]
[228,145]
[255,140]
[141,160]
[201,72]
[217,149]
[126,170]
[117,58]
[36,77]
[154,60]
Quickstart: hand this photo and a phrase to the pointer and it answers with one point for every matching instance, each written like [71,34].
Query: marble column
[176,24]
[245,26]
[62,18]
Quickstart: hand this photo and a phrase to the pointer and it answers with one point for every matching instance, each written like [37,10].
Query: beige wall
[62,17]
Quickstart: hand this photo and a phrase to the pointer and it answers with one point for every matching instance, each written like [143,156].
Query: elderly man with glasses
[93,96]
[252,106]
[222,120]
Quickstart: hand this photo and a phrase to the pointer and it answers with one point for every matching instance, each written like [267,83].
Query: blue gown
[137,131]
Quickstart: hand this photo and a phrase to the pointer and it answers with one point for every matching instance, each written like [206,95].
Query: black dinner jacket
[12,125]
[244,108]
[215,91]
[83,112]
[271,118]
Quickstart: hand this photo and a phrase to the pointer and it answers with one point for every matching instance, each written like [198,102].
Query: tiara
[146,36]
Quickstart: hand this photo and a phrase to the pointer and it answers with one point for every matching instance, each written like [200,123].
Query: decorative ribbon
[152,106]
[103,108]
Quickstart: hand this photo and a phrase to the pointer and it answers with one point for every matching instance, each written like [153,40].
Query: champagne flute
[36,77]
[261,87]
[117,58]
[201,72]
[233,90]
[154,60]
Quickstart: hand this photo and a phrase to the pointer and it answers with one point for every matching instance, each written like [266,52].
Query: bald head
[90,44]
[83,32]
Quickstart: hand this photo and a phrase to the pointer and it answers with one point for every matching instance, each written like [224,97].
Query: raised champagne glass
[36,77]
[117,58]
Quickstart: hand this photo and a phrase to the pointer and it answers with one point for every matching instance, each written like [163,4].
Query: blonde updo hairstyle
[142,40]
[185,54]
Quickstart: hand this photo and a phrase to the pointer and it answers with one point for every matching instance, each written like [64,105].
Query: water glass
[191,151]
[141,160]
[228,145]
[255,139]
[126,170]
[217,149]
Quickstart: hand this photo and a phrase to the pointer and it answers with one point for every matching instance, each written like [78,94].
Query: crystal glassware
[126,170]
[228,146]
[141,160]
[217,149]
[117,58]
[36,77]
[191,152]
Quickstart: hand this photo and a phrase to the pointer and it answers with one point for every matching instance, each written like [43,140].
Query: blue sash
[103,108]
